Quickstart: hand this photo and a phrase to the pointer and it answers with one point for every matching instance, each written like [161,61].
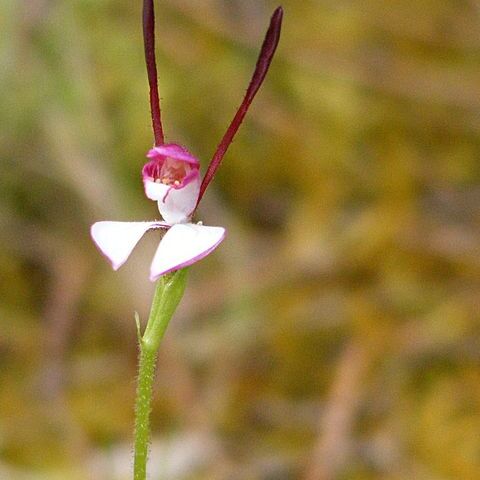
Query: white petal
[182,245]
[116,240]
[154,190]
[175,205]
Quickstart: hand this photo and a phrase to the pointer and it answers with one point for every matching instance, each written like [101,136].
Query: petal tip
[116,240]
[183,245]
[153,278]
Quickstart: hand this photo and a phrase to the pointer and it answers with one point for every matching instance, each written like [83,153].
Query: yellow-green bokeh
[335,333]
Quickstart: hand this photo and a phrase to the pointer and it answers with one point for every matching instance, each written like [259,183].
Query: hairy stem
[142,411]
[168,293]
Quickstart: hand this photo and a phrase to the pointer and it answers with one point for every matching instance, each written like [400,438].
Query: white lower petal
[116,240]
[175,205]
[182,245]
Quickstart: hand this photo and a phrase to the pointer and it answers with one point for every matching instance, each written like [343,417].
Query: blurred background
[335,333]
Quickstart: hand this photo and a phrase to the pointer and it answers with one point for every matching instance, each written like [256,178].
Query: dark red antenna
[263,63]
[149,42]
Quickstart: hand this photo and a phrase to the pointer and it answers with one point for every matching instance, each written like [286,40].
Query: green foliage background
[335,333]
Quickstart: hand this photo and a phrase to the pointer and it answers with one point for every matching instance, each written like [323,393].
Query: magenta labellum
[171,165]
[172,178]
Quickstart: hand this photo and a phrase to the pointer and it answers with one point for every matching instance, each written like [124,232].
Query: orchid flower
[171,177]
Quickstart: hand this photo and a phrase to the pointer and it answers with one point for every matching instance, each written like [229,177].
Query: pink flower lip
[171,165]
[175,151]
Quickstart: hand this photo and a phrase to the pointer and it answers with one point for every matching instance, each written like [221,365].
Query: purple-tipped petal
[183,245]
[263,63]
[116,240]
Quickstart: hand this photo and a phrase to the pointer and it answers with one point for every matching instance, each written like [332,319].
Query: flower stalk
[168,293]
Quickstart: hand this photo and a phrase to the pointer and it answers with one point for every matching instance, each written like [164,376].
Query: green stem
[168,293]
[142,412]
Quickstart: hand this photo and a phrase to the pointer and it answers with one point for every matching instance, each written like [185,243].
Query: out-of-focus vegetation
[335,333]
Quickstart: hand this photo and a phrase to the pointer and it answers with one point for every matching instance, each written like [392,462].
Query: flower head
[171,177]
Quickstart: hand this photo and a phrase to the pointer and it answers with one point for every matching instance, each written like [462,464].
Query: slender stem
[168,293]
[146,377]
[149,43]
[163,307]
